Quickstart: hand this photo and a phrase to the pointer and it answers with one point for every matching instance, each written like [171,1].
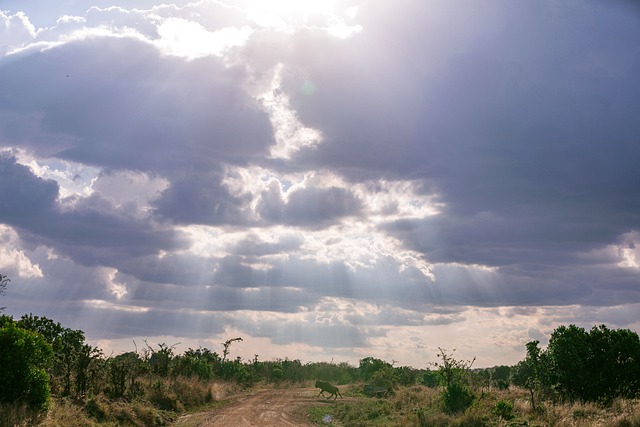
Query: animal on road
[333,390]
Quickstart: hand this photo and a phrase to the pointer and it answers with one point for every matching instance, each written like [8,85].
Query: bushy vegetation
[580,379]
[595,366]
[24,357]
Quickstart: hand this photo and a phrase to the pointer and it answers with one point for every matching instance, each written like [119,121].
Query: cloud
[308,206]
[143,103]
[93,232]
[433,169]
[14,260]
[200,198]
[16,31]
[23,195]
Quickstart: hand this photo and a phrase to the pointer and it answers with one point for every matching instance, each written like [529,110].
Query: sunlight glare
[290,15]
[282,14]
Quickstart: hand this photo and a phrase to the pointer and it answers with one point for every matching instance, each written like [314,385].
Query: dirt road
[264,408]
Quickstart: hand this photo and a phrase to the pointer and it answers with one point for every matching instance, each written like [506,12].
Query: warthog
[324,386]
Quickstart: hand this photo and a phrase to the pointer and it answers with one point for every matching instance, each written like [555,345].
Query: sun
[290,14]
[294,6]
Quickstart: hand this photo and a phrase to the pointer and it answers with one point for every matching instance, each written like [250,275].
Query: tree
[613,364]
[528,372]
[568,353]
[24,357]
[197,363]
[161,358]
[123,371]
[500,377]
[595,366]
[370,365]
[67,347]
[87,367]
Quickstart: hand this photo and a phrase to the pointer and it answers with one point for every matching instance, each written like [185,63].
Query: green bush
[456,398]
[503,409]
[23,359]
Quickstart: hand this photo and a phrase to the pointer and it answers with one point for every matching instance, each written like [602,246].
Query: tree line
[39,358]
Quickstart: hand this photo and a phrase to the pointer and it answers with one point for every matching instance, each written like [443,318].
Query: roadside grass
[422,407]
[160,403]
[181,402]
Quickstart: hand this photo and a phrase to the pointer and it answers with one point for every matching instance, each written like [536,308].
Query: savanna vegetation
[50,376]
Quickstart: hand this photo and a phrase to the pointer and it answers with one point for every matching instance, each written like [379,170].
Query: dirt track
[272,407]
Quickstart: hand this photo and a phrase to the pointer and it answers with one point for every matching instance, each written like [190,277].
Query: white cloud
[16,31]
[74,179]
[290,135]
[129,189]
[12,258]
[187,39]
[109,277]
[629,250]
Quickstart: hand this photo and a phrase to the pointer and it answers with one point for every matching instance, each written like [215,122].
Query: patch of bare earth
[265,408]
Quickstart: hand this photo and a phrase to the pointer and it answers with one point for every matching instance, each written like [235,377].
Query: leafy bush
[503,409]
[24,357]
[430,379]
[456,398]
[384,377]
[370,365]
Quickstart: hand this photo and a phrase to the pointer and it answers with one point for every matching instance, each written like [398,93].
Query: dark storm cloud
[128,107]
[23,196]
[200,198]
[92,233]
[523,123]
[179,269]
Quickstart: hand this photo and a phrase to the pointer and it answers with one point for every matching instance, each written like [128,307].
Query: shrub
[503,409]
[24,357]
[456,398]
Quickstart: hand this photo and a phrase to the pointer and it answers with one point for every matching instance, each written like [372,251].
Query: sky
[327,179]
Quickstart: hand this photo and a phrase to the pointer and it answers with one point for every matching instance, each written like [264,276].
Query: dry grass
[411,406]
[159,404]
[18,415]
[421,406]
[66,413]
